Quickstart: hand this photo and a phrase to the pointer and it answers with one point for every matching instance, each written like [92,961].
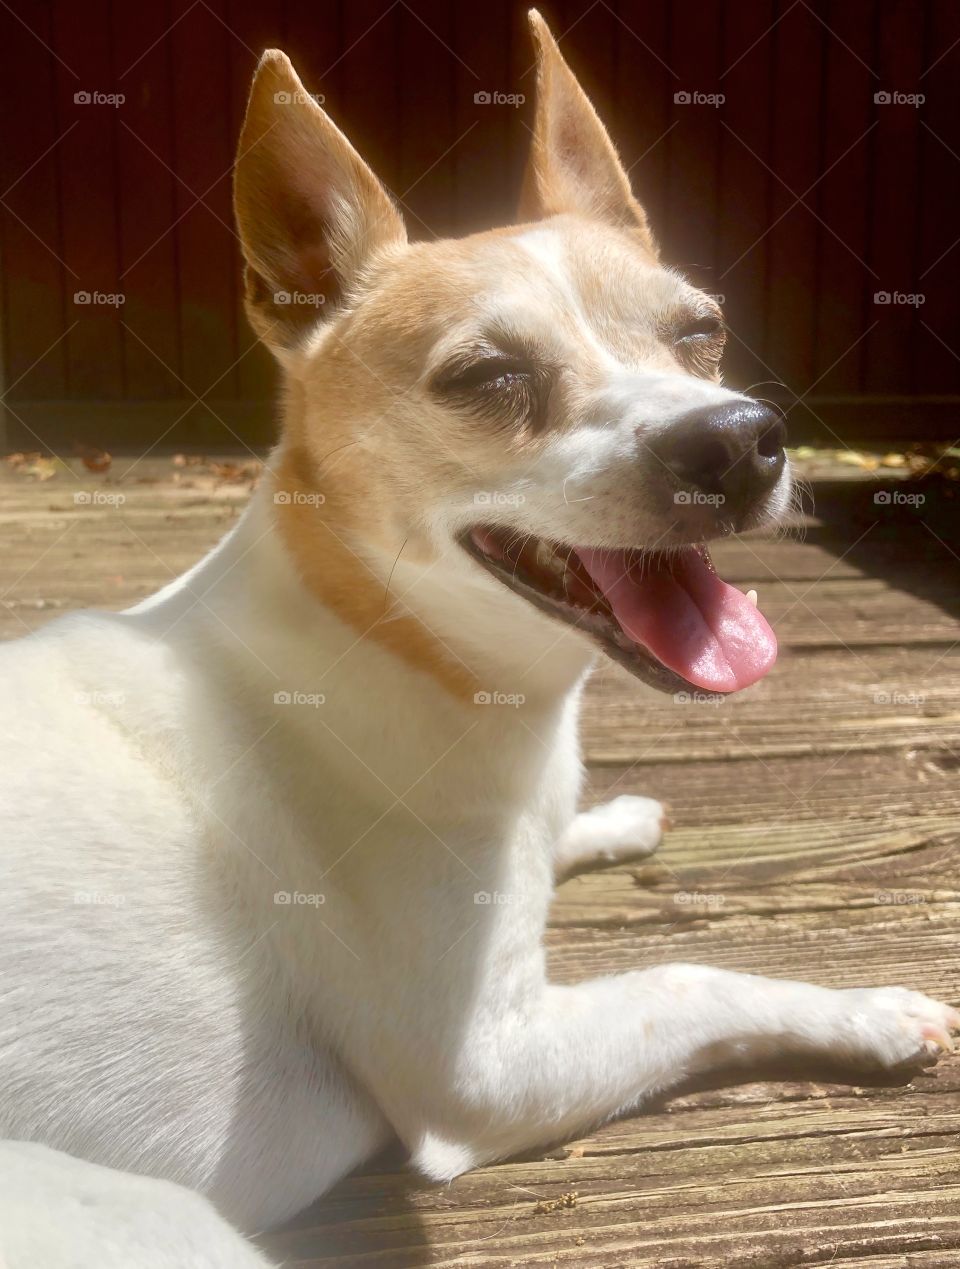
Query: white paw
[892,1026]
[622,829]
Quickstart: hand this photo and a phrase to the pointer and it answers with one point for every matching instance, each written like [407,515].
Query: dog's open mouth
[667,616]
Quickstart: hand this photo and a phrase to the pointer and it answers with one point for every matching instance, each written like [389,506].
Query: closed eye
[698,340]
[485,373]
[507,388]
[707,326]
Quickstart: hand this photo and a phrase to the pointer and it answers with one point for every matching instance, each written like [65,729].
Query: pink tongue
[691,620]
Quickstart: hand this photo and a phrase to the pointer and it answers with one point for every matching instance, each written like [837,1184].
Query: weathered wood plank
[916,944]
[758,1184]
[868,700]
[803,787]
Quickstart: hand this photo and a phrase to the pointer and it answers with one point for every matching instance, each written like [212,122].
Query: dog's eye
[706,327]
[510,388]
[488,374]
[698,343]
[507,390]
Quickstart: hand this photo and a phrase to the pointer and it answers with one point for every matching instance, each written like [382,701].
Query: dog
[317,845]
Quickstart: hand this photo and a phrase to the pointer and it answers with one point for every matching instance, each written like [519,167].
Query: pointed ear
[573,166]
[309,210]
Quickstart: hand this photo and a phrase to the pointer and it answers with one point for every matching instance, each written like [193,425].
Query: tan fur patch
[342,582]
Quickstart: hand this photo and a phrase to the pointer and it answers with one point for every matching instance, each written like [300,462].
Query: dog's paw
[625,828]
[892,1027]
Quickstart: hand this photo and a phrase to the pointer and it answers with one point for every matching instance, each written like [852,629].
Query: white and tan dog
[278,854]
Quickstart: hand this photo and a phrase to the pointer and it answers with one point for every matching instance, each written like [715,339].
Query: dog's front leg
[529,1076]
[625,828]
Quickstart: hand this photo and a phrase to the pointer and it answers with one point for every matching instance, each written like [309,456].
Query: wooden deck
[817,827]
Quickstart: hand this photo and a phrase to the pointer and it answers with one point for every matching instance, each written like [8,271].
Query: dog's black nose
[730,454]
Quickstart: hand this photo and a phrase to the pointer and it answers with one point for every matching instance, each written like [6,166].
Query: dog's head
[543,402]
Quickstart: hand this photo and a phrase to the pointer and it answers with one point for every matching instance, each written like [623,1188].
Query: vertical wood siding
[797,199]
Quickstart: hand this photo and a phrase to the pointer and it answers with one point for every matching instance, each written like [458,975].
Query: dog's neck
[303,591]
[430,608]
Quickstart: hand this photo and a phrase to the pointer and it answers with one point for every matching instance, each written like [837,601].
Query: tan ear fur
[573,166]
[310,212]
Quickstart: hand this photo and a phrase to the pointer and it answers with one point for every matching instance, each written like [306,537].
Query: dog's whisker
[393,567]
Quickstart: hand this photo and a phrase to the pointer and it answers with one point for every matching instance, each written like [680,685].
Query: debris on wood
[919,459]
[544,1206]
[226,471]
[34,464]
[94,459]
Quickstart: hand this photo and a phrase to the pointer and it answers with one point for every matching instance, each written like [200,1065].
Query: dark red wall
[797,199]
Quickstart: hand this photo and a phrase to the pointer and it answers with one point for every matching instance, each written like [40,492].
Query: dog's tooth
[752,596]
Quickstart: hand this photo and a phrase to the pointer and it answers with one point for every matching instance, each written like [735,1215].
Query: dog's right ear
[309,210]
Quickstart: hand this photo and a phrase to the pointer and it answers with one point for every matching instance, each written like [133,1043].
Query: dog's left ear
[310,212]
[573,166]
